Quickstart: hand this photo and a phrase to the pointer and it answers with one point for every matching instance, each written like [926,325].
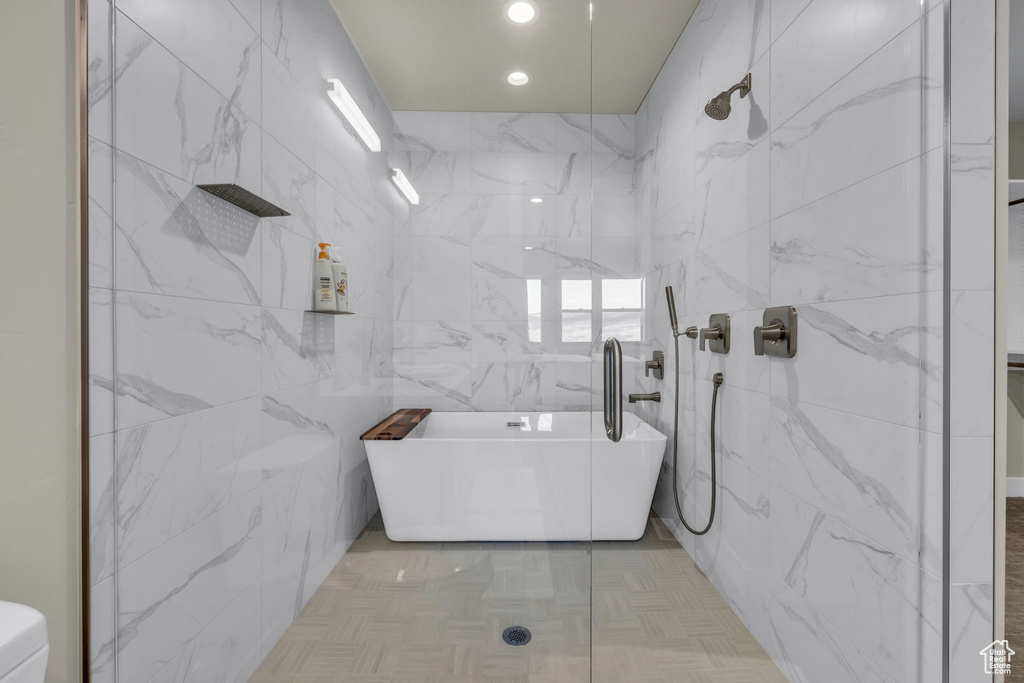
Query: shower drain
[517,635]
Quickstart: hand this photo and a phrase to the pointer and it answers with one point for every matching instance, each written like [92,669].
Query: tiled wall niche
[228,478]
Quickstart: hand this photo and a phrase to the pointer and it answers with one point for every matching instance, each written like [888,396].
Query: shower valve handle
[712,333]
[767,333]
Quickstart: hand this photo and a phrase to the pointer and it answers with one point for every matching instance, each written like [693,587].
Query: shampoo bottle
[340,273]
[324,294]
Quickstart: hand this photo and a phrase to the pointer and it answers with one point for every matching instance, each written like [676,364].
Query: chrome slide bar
[613,389]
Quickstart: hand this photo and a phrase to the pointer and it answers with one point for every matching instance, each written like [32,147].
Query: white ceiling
[1017,61]
[453,55]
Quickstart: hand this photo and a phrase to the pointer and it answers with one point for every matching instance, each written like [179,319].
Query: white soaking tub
[555,477]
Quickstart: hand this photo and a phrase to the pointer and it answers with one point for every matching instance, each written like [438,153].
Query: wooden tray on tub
[397,426]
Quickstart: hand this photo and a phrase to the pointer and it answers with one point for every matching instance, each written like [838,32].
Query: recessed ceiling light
[521,11]
[518,78]
[536,200]
[528,248]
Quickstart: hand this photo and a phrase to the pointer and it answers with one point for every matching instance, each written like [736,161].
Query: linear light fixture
[347,106]
[403,184]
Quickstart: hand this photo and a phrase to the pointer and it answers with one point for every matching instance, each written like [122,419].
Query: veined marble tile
[867,122]
[866,345]
[101,215]
[356,167]
[443,214]
[169,117]
[441,172]
[296,532]
[734,274]
[808,648]
[489,342]
[177,356]
[298,348]
[513,385]
[286,108]
[676,234]
[614,216]
[736,200]
[742,430]
[783,13]
[719,144]
[226,650]
[101,361]
[743,501]
[971,613]
[164,223]
[972,215]
[867,474]
[739,576]
[434,385]
[514,258]
[674,179]
[513,132]
[250,11]
[616,258]
[291,184]
[972,112]
[170,595]
[100,71]
[287,268]
[443,300]
[539,173]
[613,174]
[441,341]
[871,595]
[575,386]
[971,509]
[496,215]
[867,240]
[356,230]
[828,40]
[730,36]
[103,623]
[296,424]
[101,510]
[433,131]
[972,403]
[191,29]
[175,473]
[441,257]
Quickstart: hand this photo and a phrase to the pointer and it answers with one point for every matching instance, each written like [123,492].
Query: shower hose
[718,379]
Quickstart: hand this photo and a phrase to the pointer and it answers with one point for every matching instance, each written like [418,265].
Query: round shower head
[719,107]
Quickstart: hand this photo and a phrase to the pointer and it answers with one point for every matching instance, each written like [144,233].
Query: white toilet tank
[23,644]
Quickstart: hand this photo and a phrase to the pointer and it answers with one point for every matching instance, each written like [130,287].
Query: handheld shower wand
[671,296]
[718,379]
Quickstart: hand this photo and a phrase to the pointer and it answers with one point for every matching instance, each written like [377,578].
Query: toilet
[23,644]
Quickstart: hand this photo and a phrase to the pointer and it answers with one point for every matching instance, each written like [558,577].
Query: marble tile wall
[972,223]
[467,336]
[227,474]
[827,539]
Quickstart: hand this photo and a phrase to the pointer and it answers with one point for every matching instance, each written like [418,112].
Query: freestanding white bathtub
[554,477]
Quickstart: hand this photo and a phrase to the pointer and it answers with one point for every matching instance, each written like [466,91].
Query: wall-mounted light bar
[347,106]
[403,184]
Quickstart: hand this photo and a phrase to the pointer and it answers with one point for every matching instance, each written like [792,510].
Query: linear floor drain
[517,635]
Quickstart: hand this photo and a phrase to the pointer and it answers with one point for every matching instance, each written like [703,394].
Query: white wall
[39,333]
[228,474]
[827,539]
